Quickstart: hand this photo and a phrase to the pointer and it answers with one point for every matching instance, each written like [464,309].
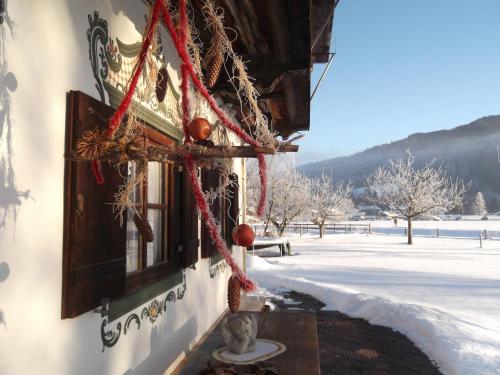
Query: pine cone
[161,84]
[214,67]
[233,293]
[144,228]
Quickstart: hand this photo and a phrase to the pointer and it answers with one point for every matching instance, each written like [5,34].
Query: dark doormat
[349,346]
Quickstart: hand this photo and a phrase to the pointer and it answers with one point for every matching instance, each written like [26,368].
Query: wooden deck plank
[297,330]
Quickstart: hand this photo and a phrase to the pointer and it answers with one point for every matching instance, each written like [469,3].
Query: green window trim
[216,263]
[145,114]
[122,306]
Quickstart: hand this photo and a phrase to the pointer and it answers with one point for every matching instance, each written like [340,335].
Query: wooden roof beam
[179,152]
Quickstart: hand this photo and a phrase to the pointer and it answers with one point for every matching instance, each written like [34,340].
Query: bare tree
[479,205]
[329,201]
[287,192]
[413,192]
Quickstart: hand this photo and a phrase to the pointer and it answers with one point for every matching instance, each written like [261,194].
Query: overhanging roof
[275,38]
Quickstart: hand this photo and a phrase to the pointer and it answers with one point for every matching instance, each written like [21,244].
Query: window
[151,201]
[225,209]
[154,201]
[102,259]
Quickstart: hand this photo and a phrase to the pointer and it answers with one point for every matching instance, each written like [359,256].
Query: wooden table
[297,330]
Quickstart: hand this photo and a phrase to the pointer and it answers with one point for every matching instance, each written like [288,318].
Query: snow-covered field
[443,293]
[455,228]
[470,229]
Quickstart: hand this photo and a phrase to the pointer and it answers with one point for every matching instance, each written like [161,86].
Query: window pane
[155,182]
[132,245]
[154,249]
[135,196]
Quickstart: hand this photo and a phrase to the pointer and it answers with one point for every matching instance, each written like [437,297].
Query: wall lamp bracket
[104,308]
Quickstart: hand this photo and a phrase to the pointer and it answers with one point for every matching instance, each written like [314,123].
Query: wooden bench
[283,245]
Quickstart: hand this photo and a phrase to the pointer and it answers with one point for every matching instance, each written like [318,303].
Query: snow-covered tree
[329,201]
[479,205]
[287,192]
[413,192]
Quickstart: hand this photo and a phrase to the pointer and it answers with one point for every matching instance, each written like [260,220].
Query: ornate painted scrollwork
[170,298]
[113,57]
[130,319]
[181,292]
[97,36]
[112,62]
[217,269]
[110,338]
[151,312]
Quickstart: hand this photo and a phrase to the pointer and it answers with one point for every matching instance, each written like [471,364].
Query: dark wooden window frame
[94,245]
[146,275]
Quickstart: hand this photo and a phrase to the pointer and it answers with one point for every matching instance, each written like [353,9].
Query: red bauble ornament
[243,235]
[200,129]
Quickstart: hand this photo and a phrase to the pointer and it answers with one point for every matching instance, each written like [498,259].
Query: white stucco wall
[47,51]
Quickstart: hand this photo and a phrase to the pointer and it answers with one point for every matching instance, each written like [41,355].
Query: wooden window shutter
[189,232]
[232,219]
[210,180]
[94,261]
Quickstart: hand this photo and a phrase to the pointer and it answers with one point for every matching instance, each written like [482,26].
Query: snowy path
[444,294]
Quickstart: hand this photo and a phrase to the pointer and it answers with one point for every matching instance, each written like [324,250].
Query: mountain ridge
[466,151]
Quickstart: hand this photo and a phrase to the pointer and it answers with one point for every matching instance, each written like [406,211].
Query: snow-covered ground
[443,293]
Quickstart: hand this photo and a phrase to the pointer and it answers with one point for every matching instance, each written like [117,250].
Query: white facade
[47,51]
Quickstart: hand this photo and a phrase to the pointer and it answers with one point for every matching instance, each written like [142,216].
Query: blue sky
[403,67]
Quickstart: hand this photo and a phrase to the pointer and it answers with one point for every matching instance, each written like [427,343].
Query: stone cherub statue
[239,332]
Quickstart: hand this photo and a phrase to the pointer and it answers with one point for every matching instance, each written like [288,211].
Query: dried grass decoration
[220,49]
[92,144]
[144,228]
[233,293]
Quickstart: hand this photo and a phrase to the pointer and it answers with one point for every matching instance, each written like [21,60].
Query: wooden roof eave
[322,15]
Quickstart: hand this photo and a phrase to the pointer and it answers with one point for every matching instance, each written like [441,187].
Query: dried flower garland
[201,200]
[122,139]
